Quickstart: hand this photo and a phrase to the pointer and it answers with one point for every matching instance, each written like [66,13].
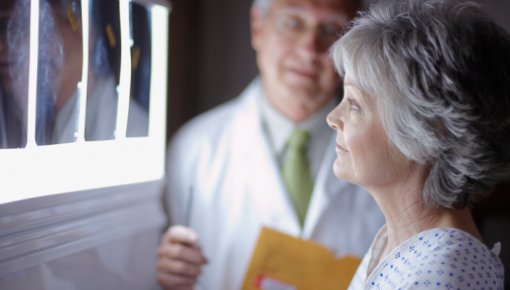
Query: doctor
[224,167]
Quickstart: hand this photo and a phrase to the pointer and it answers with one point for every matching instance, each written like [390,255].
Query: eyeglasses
[294,25]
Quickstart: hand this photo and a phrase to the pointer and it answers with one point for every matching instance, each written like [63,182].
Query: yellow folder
[283,262]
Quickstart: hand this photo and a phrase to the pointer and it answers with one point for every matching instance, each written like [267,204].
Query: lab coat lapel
[263,180]
[327,186]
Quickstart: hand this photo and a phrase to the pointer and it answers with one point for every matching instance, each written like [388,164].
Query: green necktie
[296,173]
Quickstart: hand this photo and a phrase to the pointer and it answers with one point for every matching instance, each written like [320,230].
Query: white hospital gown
[439,258]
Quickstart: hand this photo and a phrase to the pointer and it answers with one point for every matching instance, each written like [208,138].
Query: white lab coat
[223,160]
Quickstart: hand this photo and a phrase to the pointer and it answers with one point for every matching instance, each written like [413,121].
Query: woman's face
[364,153]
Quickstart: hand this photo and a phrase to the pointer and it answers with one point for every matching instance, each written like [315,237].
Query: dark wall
[211,59]
[227,61]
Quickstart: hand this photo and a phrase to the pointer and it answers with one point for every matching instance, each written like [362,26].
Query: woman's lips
[340,149]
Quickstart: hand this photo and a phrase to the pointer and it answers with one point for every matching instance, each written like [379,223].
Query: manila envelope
[283,262]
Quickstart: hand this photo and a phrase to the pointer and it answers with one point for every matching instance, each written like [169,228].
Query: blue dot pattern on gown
[440,258]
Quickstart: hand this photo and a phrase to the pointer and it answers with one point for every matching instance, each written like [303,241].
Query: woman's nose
[333,119]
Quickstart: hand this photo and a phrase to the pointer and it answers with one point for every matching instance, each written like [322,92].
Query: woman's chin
[341,172]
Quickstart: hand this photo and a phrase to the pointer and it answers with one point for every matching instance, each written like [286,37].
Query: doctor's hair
[265,5]
[439,71]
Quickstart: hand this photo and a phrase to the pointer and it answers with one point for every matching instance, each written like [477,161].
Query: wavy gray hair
[440,72]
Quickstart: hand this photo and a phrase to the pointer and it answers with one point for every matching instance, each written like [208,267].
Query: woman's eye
[354,106]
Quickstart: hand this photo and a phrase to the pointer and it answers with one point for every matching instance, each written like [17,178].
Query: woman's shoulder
[442,258]
[454,259]
[453,246]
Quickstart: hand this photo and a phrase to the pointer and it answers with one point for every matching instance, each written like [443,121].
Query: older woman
[424,126]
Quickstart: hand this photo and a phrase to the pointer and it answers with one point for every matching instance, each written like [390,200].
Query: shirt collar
[281,127]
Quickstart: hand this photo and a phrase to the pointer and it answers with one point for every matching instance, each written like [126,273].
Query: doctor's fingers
[180,268]
[182,252]
[181,234]
[175,282]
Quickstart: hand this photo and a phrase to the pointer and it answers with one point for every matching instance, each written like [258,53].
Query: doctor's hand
[180,259]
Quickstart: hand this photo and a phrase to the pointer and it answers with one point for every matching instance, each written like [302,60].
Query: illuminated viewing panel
[82,95]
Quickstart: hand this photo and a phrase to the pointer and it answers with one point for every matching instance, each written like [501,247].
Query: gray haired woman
[424,126]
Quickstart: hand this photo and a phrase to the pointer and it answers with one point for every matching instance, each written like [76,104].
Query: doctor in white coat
[224,180]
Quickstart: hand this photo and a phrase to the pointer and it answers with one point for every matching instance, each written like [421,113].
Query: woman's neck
[407,214]
[419,218]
